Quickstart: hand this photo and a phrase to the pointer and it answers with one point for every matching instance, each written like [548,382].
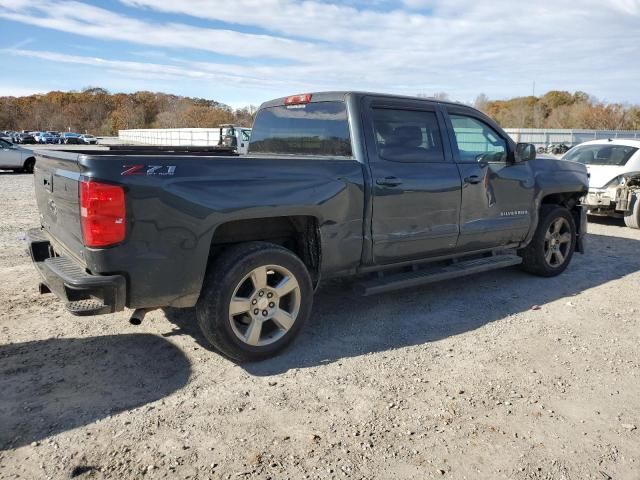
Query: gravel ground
[463,379]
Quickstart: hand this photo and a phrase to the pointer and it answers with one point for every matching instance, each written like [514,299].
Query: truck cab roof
[330,96]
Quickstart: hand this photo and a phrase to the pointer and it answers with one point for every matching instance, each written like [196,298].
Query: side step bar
[435,274]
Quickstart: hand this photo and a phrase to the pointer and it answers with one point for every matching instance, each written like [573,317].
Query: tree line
[561,109]
[96,111]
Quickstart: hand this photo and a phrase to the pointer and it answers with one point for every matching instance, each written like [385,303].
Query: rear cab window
[615,155]
[314,129]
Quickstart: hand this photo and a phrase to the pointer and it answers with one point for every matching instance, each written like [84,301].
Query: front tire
[632,216]
[29,165]
[256,298]
[551,249]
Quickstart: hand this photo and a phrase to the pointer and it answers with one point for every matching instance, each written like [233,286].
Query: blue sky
[248,51]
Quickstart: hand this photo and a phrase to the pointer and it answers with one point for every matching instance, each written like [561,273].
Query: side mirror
[525,152]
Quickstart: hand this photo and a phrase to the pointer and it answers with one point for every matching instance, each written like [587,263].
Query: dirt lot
[459,380]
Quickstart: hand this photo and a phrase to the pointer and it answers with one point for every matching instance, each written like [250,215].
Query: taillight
[298,99]
[102,213]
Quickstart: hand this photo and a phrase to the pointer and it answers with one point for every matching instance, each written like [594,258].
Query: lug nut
[271,304]
[256,311]
[261,294]
[269,295]
[254,301]
[265,313]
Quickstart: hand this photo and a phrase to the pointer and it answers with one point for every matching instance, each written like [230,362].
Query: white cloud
[463,47]
[83,19]
[142,69]
[19,91]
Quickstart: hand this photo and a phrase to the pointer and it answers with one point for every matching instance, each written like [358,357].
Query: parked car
[14,157]
[394,191]
[88,139]
[70,137]
[25,138]
[7,135]
[53,137]
[614,182]
[46,138]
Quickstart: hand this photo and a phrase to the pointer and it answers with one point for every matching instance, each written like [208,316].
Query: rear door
[416,184]
[497,194]
[10,155]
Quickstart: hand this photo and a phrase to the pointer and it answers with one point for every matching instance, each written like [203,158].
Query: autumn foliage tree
[97,111]
[561,109]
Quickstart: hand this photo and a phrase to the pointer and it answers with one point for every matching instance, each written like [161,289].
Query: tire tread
[212,300]
[533,260]
[632,220]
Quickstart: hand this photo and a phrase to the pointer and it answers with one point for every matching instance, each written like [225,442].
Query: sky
[245,52]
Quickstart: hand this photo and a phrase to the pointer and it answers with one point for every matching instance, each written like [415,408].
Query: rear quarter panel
[172,218]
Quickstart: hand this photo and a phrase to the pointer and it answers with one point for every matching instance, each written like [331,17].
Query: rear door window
[320,128]
[407,135]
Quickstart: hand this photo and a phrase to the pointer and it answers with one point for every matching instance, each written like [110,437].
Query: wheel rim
[264,305]
[557,242]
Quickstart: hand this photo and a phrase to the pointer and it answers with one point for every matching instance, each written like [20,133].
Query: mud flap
[580,215]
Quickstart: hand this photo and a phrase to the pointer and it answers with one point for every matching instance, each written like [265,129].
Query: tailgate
[56,178]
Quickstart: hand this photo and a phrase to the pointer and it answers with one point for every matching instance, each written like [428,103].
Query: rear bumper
[82,292]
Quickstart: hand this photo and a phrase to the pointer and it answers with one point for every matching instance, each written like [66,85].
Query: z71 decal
[148,170]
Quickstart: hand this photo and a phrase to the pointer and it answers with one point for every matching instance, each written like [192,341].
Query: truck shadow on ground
[50,386]
[345,325]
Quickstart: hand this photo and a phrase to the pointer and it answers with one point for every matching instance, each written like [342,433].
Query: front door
[497,194]
[10,155]
[416,184]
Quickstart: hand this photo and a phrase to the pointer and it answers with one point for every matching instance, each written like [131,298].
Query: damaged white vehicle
[614,177]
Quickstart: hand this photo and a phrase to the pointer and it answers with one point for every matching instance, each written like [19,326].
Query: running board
[435,274]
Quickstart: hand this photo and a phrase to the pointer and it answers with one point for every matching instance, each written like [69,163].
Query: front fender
[559,181]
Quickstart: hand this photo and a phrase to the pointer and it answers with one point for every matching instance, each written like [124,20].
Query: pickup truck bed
[397,191]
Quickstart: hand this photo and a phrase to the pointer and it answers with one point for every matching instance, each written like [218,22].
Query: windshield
[604,154]
[318,128]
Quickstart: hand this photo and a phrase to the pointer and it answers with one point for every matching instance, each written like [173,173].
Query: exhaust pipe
[138,315]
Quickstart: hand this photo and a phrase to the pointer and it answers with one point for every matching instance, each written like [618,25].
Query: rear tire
[550,251]
[269,289]
[632,216]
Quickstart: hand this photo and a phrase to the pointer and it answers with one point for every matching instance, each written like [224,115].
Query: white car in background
[88,139]
[614,177]
[14,157]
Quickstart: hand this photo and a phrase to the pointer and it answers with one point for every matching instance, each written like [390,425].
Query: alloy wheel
[264,305]
[557,242]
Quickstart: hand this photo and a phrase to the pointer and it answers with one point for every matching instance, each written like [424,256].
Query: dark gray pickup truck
[394,191]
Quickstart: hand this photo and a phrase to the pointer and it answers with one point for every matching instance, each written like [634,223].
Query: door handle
[473,179]
[389,181]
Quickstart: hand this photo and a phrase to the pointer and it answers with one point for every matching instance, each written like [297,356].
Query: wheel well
[571,201]
[296,233]
[29,159]
[568,199]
